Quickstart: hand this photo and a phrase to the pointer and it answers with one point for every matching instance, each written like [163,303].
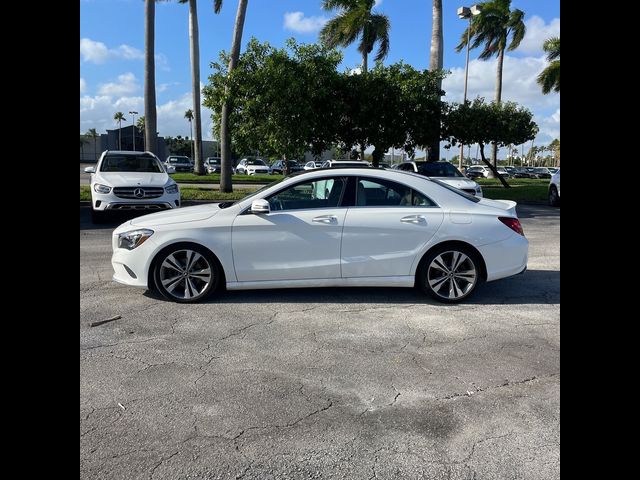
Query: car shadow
[531,287]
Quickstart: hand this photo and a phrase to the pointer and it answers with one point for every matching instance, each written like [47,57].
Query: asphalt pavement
[322,383]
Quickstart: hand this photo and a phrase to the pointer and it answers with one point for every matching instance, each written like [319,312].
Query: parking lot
[322,383]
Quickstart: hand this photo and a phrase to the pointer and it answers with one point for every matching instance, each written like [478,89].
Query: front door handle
[328,219]
[415,219]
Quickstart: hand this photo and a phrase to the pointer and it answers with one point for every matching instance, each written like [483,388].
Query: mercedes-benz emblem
[138,192]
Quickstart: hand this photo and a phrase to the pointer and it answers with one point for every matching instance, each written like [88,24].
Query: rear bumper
[506,258]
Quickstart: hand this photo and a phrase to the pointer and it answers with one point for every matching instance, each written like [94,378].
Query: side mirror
[260,206]
[171,169]
[90,170]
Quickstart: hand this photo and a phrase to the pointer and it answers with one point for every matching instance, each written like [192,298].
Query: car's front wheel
[450,274]
[554,198]
[186,273]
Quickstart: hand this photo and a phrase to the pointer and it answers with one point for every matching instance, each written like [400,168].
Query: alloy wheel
[185,274]
[452,275]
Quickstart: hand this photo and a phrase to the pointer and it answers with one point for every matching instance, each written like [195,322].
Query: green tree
[92,133]
[549,78]
[226,162]
[492,28]
[178,145]
[355,20]
[151,120]
[283,99]
[436,62]
[554,148]
[140,126]
[189,116]
[119,117]
[482,123]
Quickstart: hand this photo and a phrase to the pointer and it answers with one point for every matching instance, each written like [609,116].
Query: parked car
[345,164]
[504,172]
[478,171]
[341,228]
[278,167]
[180,163]
[540,172]
[252,167]
[446,173]
[312,165]
[127,180]
[554,190]
[511,170]
[521,172]
[213,164]
[553,169]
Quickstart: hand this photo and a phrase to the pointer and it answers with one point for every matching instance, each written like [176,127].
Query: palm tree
[356,20]
[194,48]
[549,78]
[225,135]
[118,117]
[436,62]
[91,133]
[492,28]
[140,126]
[150,131]
[189,116]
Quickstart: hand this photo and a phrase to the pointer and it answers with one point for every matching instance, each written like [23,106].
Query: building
[110,141]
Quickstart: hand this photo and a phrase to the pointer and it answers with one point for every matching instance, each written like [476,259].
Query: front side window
[321,193]
[378,192]
[131,163]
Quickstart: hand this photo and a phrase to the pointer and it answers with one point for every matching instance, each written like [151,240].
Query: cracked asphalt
[322,383]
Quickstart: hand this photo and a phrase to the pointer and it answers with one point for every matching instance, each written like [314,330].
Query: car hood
[178,215]
[132,179]
[457,182]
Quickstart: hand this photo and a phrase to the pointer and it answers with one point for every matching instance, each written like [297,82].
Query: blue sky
[112,45]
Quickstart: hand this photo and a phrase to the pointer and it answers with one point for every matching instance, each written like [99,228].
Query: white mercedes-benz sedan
[326,228]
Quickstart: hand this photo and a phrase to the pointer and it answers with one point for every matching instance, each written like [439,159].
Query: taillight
[513,224]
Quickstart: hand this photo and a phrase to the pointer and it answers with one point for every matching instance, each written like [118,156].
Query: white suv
[128,180]
[444,172]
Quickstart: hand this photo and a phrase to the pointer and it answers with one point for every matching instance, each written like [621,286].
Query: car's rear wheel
[554,198]
[450,274]
[186,273]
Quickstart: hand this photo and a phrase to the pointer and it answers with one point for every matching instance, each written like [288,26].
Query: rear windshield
[179,160]
[256,162]
[438,169]
[130,163]
[456,190]
[347,165]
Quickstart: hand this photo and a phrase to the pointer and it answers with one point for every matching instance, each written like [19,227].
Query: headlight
[133,239]
[101,188]
[172,188]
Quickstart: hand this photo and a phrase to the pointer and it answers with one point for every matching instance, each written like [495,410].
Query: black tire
[98,217]
[189,286]
[436,281]
[554,198]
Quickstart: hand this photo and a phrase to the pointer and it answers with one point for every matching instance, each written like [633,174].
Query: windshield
[346,165]
[131,163]
[179,160]
[213,160]
[541,170]
[256,162]
[438,169]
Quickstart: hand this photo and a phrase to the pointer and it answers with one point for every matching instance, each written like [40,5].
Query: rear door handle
[415,219]
[325,219]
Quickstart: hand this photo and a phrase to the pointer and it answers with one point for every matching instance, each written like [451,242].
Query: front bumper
[131,267]
[111,202]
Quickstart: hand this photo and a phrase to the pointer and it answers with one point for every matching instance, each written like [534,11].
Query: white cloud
[126,85]
[83,85]
[297,22]
[97,112]
[537,32]
[355,71]
[98,53]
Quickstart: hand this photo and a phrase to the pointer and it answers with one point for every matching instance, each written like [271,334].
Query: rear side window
[379,192]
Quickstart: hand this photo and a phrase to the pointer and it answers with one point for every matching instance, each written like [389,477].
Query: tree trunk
[435,63]
[376,156]
[225,136]
[119,134]
[194,44]
[150,120]
[494,147]
[493,168]
[365,63]
[285,166]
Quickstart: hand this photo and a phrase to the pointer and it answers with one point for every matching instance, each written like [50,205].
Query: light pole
[466,13]
[133,123]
